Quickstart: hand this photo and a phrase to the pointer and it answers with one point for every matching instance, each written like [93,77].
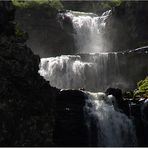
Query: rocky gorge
[34,113]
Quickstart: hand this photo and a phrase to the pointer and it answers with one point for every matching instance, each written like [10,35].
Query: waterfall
[89,30]
[73,72]
[95,71]
[105,124]
[66,72]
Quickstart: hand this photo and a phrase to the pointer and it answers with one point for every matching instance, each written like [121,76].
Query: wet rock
[138,109]
[117,93]
[70,128]
[122,104]
[145,111]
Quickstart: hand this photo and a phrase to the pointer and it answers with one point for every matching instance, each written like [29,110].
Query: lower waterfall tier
[91,119]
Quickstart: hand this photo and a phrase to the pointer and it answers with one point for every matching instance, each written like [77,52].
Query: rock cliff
[26,99]
[46,36]
[127,26]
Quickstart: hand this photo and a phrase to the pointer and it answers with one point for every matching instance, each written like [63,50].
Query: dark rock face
[70,128]
[141,123]
[116,92]
[47,37]
[127,26]
[6,16]
[25,98]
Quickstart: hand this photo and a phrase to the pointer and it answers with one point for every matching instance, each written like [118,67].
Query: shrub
[31,3]
[142,90]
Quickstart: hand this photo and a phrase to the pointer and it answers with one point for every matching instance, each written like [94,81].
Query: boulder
[70,128]
[122,104]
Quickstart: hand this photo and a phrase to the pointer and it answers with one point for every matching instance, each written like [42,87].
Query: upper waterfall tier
[89,30]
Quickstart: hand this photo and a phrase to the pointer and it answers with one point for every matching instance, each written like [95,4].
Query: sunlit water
[105,123]
[93,72]
[89,30]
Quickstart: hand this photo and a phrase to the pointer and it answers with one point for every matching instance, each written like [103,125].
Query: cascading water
[89,30]
[106,125]
[76,71]
[95,72]
[65,71]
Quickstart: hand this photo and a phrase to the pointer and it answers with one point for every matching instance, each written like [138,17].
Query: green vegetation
[116,2]
[142,90]
[90,6]
[31,3]
[47,8]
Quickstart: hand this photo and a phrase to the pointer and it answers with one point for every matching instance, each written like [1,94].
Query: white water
[89,30]
[111,128]
[66,72]
[93,72]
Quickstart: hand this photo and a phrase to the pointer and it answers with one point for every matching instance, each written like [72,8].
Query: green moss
[56,4]
[32,3]
[142,88]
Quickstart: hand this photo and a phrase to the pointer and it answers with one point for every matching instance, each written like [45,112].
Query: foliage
[97,6]
[142,90]
[31,3]
[110,4]
[116,2]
